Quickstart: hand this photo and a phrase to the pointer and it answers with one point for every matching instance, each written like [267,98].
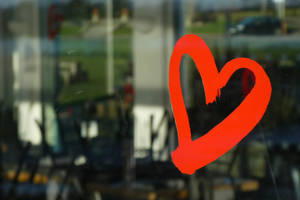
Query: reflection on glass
[85,109]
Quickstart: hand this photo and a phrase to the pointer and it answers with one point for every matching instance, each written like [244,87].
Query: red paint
[191,155]
[247,79]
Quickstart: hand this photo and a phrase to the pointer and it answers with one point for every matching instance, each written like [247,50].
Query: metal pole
[110,50]
[280,8]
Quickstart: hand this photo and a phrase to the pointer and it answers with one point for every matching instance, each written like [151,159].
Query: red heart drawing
[191,155]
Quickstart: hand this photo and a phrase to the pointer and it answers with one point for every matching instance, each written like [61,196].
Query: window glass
[85,109]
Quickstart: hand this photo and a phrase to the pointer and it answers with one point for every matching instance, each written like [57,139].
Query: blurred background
[84,102]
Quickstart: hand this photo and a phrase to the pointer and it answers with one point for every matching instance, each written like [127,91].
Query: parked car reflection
[257,25]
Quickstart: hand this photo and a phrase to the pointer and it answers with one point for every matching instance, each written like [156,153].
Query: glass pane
[85,100]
